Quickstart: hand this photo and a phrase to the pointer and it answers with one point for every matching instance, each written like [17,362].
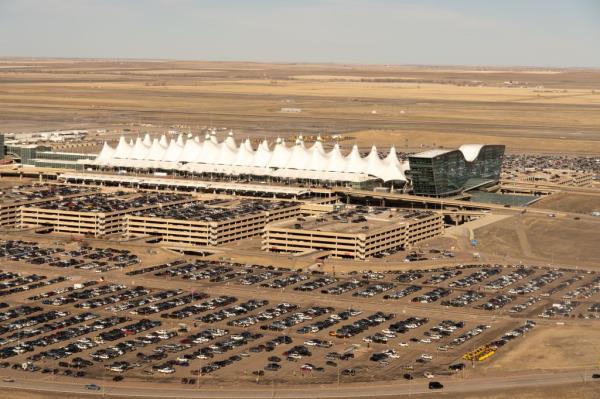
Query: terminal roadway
[453,384]
[541,186]
[438,202]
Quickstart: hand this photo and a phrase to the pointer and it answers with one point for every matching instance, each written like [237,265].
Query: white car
[426,356]
[166,370]
[428,374]
[403,344]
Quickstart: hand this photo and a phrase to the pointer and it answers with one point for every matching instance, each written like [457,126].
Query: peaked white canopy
[262,156]
[245,154]
[227,151]
[375,165]
[174,150]
[281,154]
[209,152]
[157,151]
[106,154]
[318,159]
[163,141]
[147,140]
[139,150]
[123,149]
[298,157]
[354,162]
[226,157]
[337,162]
[190,151]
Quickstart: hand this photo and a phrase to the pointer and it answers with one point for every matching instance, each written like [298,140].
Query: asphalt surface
[454,385]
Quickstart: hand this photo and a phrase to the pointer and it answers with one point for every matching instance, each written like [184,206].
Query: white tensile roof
[209,152]
[298,156]
[470,151]
[190,151]
[230,142]
[318,158]
[393,168]
[227,151]
[212,156]
[213,137]
[262,156]
[336,161]
[105,155]
[245,154]
[157,151]
[174,150]
[281,154]
[354,162]
[139,150]
[164,141]
[147,140]
[123,149]
[375,165]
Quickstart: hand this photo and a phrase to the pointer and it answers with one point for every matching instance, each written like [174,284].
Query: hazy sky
[467,32]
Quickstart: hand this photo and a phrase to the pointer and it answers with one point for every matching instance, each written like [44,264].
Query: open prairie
[413,107]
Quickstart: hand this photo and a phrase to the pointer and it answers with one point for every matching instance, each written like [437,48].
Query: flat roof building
[96,215]
[210,223]
[12,199]
[357,233]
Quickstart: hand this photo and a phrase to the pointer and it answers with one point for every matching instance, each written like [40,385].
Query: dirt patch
[559,240]
[553,348]
[569,202]
[571,391]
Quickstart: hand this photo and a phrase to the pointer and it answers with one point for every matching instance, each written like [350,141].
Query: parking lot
[196,320]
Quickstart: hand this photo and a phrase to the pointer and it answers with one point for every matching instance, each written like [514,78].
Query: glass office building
[43,157]
[441,173]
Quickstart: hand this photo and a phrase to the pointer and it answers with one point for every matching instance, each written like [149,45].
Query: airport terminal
[186,259]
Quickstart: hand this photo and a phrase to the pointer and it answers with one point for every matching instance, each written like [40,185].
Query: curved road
[453,384]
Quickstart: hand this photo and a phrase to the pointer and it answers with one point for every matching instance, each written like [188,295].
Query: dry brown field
[410,106]
[570,202]
[571,391]
[561,240]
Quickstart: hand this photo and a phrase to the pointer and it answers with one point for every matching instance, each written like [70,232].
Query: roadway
[453,384]
[546,187]
[441,202]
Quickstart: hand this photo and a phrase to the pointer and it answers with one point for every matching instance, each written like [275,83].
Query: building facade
[374,235]
[441,173]
[195,226]
[88,219]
